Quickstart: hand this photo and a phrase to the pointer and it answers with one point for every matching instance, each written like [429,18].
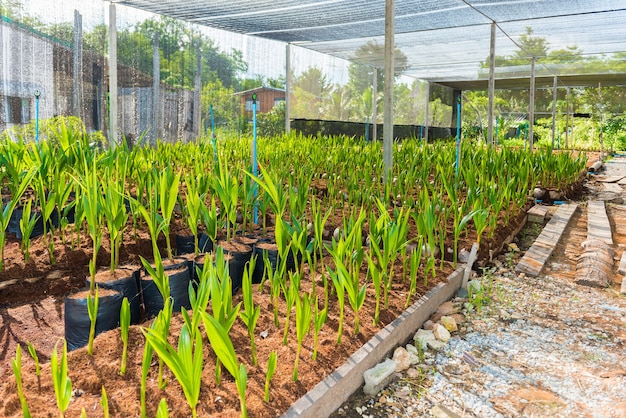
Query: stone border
[332,392]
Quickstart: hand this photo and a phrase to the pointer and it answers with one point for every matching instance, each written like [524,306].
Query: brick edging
[332,392]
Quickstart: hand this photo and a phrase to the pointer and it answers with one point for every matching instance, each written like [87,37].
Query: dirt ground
[31,310]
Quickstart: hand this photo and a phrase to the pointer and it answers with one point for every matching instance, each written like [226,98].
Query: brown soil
[31,310]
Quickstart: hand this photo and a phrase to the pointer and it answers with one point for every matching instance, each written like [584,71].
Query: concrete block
[379,376]
[537,214]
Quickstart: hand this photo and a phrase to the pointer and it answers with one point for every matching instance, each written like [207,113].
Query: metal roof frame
[444,41]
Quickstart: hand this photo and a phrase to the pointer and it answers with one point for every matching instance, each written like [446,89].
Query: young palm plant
[225,352]
[124,326]
[303,324]
[185,361]
[60,379]
[16,363]
[27,224]
[250,313]
[7,211]
[271,369]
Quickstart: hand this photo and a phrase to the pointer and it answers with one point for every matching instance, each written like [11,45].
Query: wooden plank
[609,179]
[613,188]
[622,264]
[538,254]
[598,226]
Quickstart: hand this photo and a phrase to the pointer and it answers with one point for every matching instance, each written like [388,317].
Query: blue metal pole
[367,129]
[458,136]
[254,159]
[213,136]
[37,94]
[421,133]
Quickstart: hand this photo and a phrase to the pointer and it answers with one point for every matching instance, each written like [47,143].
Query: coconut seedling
[319,319]
[225,352]
[92,208]
[271,369]
[7,210]
[115,210]
[161,326]
[35,357]
[60,378]
[92,311]
[226,187]
[47,202]
[185,361]
[27,224]
[169,183]
[124,327]
[104,402]
[16,363]
[194,207]
[251,312]
[222,302]
[303,324]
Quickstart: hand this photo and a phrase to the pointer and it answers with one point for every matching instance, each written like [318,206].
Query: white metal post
[156,82]
[197,119]
[531,105]
[492,83]
[554,86]
[374,107]
[389,75]
[78,63]
[288,90]
[113,131]
[426,112]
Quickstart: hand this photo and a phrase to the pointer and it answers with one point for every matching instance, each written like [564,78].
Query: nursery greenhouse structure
[242,207]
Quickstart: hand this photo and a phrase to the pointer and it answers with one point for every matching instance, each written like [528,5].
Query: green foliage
[225,352]
[16,363]
[124,326]
[92,311]
[185,361]
[272,123]
[271,369]
[104,401]
[251,312]
[303,324]
[60,379]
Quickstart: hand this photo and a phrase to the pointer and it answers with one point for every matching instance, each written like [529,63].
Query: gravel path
[530,347]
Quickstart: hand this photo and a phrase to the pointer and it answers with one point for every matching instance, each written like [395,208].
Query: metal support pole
[197,118]
[531,105]
[426,112]
[374,105]
[113,131]
[600,109]
[288,90]
[78,63]
[554,86]
[37,95]
[458,135]
[389,75]
[254,158]
[567,118]
[213,135]
[156,82]
[492,83]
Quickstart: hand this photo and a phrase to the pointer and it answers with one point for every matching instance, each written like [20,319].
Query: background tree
[367,57]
